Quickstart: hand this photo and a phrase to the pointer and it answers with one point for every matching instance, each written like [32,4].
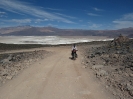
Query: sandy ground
[55,77]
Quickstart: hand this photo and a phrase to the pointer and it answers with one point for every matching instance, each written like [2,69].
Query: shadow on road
[71,58]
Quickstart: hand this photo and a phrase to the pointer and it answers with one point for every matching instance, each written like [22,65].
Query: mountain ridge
[53,31]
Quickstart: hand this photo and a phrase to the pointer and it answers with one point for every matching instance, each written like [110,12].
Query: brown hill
[52,31]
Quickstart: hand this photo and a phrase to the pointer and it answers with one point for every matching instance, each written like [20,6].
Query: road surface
[55,77]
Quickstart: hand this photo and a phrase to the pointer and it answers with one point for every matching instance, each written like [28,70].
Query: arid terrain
[99,72]
[112,64]
[51,74]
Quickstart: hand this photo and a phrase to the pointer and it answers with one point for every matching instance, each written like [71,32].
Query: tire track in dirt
[40,92]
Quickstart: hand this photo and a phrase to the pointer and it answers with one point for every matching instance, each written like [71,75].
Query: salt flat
[53,40]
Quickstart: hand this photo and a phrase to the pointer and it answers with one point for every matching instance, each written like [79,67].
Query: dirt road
[55,77]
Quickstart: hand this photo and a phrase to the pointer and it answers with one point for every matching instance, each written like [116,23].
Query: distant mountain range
[52,31]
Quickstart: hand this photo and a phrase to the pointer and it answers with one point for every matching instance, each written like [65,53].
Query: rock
[116,66]
[13,58]
[30,60]
[4,72]
[97,67]
[92,56]
[129,87]
[131,68]
[10,65]
[18,56]
[126,74]
[107,87]
[114,93]
[106,60]
[104,63]
[131,75]
[83,62]
[5,61]
[98,53]
[10,57]
[101,73]
[84,66]
[9,77]
[131,92]
[15,72]
[117,52]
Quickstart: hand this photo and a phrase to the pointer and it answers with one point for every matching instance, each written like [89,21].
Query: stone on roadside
[84,66]
[5,61]
[131,92]
[101,73]
[97,67]
[131,75]
[10,57]
[4,72]
[129,87]
[9,77]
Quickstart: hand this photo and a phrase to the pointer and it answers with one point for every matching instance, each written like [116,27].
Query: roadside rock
[12,64]
[4,72]
[97,67]
[5,61]
[9,77]
[129,87]
[131,92]
[113,64]
[101,73]
[131,75]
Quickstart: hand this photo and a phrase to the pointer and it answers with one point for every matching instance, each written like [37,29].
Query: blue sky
[67,14]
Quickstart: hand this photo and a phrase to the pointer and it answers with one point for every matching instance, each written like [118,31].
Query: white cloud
[95,26]
[52,25]
[14,22]
[97,9]
[124,22]
[54,9]
[2,12]
[40,20]
[24,8]
[128,16]
[46,19]
[66,16]
[92,14]
[19,21]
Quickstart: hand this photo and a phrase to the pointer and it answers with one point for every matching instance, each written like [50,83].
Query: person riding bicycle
[74,49]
